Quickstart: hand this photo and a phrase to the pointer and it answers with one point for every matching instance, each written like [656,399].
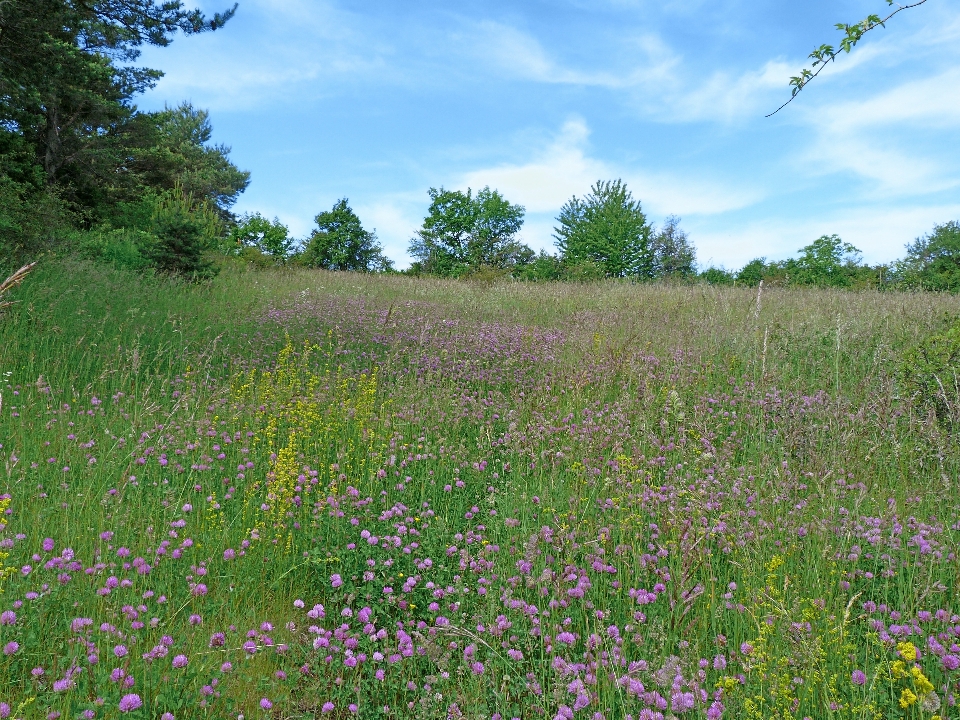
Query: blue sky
[379,101]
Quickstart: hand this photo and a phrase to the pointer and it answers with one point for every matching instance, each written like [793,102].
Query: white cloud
[880,232]
[519,54]
[563,169]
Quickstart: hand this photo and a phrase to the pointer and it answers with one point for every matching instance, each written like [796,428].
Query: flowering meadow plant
[358,505]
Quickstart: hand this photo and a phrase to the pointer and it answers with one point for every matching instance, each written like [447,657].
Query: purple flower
[327,707]
[567,638]
[4,710]
[167,716]
[477,668]
[8,617]
[48,544]
[858,677]
[180,661]
[336,581]
[950,662]
[11,647]
[265,703]
[120,651]
[130,701]
[226,667]
[746,648]
[229,554]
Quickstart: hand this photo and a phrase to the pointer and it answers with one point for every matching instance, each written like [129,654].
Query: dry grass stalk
[12,281]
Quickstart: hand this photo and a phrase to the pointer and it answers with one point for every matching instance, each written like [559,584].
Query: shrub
[718,276]
[930,375]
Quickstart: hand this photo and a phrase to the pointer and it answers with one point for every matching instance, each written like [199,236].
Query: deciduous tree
[607,228]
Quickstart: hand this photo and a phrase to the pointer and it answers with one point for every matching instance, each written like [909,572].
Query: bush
[930,375]
[933,261]
[718,276]
[123,248]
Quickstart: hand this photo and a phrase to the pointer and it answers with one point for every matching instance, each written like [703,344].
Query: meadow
[297,494]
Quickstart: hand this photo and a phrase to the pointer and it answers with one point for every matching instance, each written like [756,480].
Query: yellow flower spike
[907,651]
[907,698]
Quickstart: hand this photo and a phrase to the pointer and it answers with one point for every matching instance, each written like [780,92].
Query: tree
[463,233]
[826,262]
[607,228]
[673,254]
[67,80]
[178,249]
[270,238]
[825,54]
[339,242]
[933,261]
[178,149]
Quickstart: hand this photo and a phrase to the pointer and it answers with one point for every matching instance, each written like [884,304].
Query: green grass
[719,497]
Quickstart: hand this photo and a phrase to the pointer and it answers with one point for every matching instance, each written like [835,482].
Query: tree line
[84,171]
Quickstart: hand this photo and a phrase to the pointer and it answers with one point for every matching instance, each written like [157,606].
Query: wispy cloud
[563,169]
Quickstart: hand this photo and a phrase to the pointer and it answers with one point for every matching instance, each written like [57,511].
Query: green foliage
[673,253]
[339,242]
[826,262]
[852,34]
[542,267]
[753,272]
[175,149]
[180,245]
[67,118]
[124,248]
[30,221]
[463,232]
[270,238]
[930,375]
[718,276]
[607,228]
[933,261]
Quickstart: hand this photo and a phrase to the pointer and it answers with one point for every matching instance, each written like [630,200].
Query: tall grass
[299,493]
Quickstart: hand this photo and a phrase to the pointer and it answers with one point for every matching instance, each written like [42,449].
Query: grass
[299,494]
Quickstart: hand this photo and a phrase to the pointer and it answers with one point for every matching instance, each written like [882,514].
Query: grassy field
[302,494]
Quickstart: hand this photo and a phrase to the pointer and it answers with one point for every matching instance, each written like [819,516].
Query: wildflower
[567,638]
[265,703]
[8,617]
[48,544]
[907,651]
[335,580]
[226,667]
[120,651]
[907,698]
[477,668]
[180,661]
[167,716]
[950,662]
[327,707]
[746,648]
[130,701]
[11,647]
[858,677]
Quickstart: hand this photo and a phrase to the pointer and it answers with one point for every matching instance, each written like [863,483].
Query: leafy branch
[827,53]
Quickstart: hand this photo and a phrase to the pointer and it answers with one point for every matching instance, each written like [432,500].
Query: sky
[380,101]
